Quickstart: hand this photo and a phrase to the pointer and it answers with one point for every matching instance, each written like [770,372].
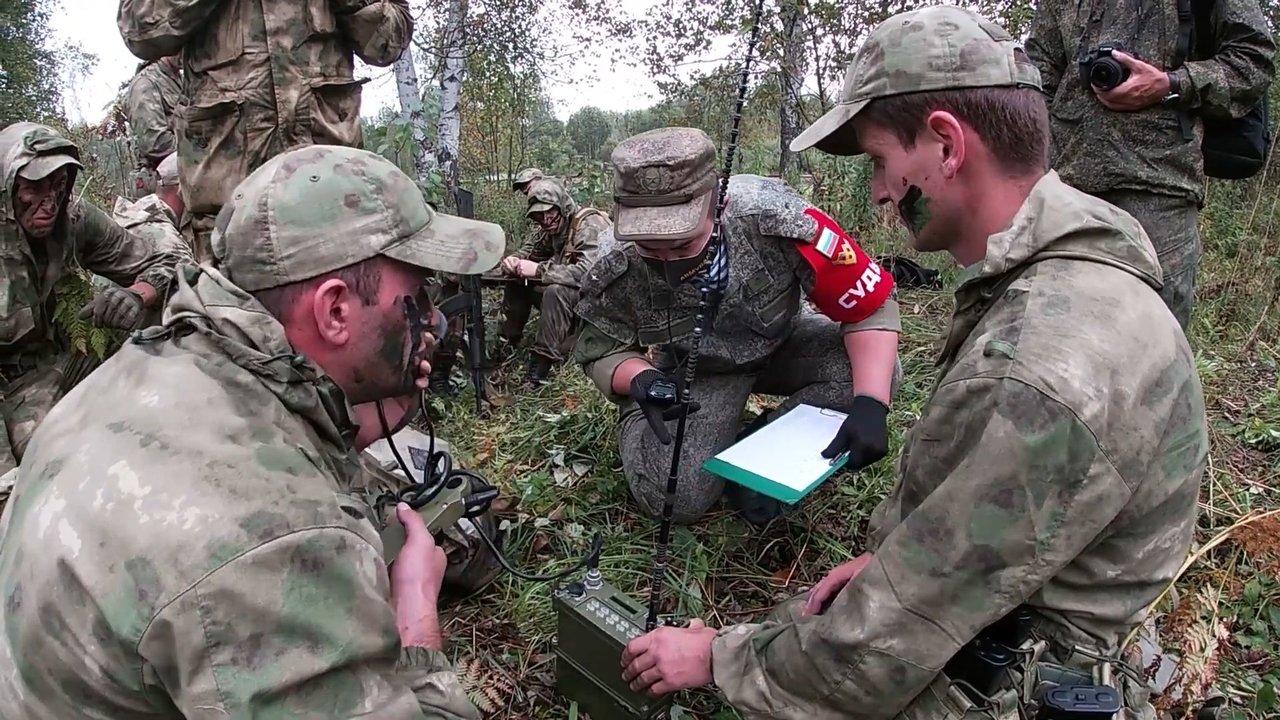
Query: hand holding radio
[669,659]
[658,396]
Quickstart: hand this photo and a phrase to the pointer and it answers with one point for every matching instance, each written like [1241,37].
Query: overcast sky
[92,24]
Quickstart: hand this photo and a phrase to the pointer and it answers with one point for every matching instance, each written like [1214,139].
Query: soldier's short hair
[1013,122]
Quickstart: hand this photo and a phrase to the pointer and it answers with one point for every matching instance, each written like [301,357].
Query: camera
[1102,71]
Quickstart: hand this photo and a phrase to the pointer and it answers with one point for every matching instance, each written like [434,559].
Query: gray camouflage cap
[319,208]
[168,170]
[526,176]
[934,48]
[664,182]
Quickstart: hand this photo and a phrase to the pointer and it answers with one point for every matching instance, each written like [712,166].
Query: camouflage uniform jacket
[262,77]
[1099,150]
[251,581]
[626,307]
[564,258]
[150,218]
[1056,466]
[151,98]
[85,238]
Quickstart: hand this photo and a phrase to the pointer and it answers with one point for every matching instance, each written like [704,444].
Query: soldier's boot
[539,369]
[505,350]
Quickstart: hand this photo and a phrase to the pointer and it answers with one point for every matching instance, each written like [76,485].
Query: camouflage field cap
[543,193]
[168,170]
[526,176]
[664,182]
[50,150]
[319,208]
[933,48]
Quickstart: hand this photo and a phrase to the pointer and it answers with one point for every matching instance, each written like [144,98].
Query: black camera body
[1099,69]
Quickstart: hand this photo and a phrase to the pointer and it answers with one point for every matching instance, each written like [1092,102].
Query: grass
[554,454]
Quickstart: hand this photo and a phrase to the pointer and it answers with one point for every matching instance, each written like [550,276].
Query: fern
[73,291]
[487,688]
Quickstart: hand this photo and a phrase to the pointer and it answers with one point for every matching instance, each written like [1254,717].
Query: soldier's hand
[821,595]
[658,397]
[511,265]
[416,576]
[115,307]
[669,659]
[1147,85]
[864,434]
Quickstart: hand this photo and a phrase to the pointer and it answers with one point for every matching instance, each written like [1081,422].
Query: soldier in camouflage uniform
[1055,469]
[552,265]
[641,296]
[260,77]
[524,178]
[150,99]
[157,216]
[46,235]
[252,581]
[1126,145]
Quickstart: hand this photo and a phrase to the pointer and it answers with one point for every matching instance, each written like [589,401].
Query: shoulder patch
[848,284]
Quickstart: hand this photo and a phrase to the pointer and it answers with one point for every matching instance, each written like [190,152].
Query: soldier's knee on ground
[694,497]
[789,610]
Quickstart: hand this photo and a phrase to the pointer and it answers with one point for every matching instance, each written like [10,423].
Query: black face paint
[913,208]
[413,316]
[678,272]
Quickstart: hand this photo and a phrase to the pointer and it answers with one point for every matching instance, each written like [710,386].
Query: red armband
[848,286]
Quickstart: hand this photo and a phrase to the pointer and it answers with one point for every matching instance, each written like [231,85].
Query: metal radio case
[594,623]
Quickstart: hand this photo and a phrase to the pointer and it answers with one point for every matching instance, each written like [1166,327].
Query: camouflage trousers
[201,234]
[1171,223]
[811,367]
[24,401]
[944,700]
[557,323]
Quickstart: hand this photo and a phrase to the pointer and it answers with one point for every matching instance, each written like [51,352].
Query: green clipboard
[783,459]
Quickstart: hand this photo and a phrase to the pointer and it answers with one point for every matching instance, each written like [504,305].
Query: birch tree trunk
[424,163]
[791,76]
[455,66]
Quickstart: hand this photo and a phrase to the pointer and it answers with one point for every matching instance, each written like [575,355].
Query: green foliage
[73,292]
[29,81]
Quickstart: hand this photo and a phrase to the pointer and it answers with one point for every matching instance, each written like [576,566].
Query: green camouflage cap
[934,48]
[545,194]
[664,182]
[526,176]
[318,208]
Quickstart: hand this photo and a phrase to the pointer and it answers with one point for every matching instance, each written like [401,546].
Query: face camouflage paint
[913,208]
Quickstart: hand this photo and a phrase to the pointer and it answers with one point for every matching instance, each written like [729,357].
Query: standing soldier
[46,234]
[1133,138]
[150,100]
[552,266]
[777,248]
[261,77]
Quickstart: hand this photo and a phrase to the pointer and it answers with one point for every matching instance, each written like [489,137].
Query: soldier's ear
[332,308]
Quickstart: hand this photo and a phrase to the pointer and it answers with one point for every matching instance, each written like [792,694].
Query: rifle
[475,321]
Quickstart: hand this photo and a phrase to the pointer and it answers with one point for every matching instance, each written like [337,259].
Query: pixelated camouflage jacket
[564,258]
[262,77]
[84,238]
[1099,150]
[1055,466]
[627,307]
[150,99]
[184,541]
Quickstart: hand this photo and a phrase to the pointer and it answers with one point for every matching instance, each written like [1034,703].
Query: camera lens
[1106,74]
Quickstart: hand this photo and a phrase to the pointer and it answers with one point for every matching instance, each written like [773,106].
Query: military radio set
[594,620]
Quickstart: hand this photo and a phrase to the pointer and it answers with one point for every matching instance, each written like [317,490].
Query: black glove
[660,403]
[864,434]
[115,307]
